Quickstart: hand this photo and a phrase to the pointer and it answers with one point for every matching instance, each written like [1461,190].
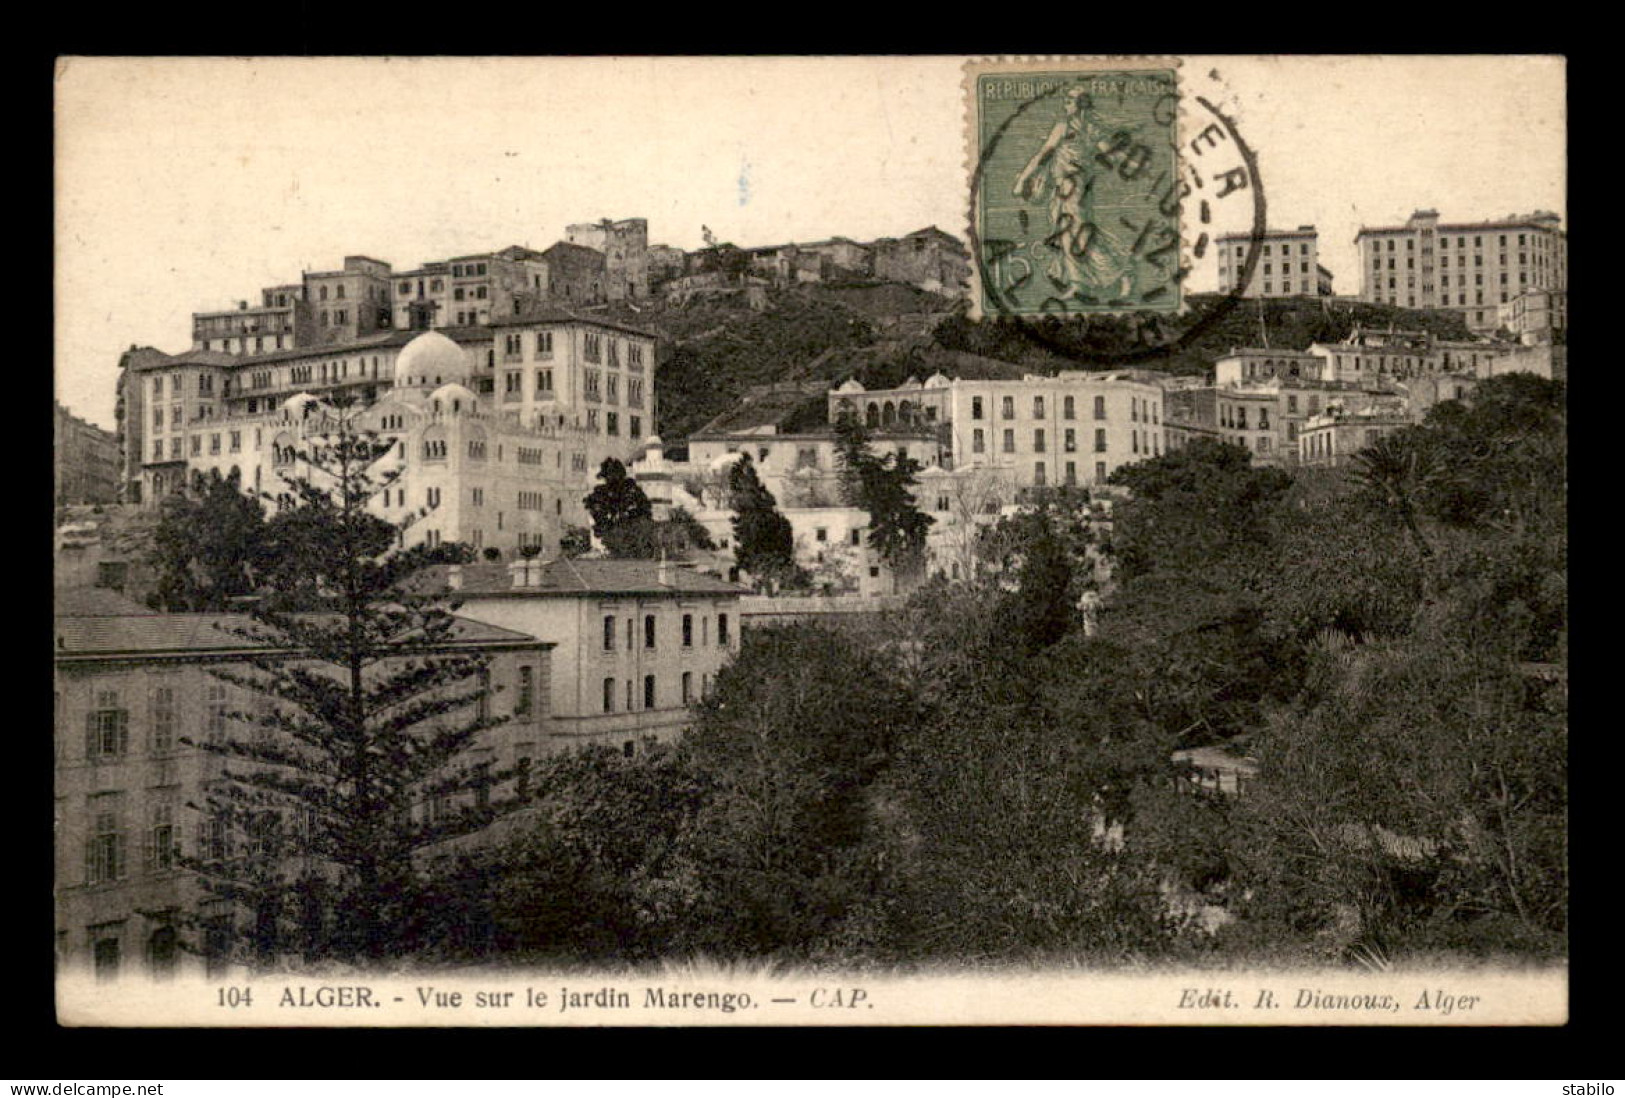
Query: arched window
[871,418]
[888,414]
[905,412]
[434,445]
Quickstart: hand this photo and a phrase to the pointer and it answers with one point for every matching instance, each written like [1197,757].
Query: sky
[187,184]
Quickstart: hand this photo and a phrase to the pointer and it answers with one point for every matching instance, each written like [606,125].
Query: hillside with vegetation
[988,777]
[712,351]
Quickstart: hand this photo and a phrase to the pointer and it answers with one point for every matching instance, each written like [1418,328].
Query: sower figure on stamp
[1088,257]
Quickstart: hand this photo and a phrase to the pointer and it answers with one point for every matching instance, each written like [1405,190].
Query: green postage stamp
[1075,186]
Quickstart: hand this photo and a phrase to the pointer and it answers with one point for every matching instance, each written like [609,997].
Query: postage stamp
[1096,186]
[1076,204]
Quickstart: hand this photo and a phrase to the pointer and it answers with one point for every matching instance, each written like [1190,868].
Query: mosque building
[499,433]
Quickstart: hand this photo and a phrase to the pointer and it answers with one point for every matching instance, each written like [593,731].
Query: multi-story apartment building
[1371,356]
[348,304]
[87,460]
[269,327]
[1467,267]
[638,642]
[1288,264]
[1074,428]
[1332,438]
[478,290]
[325,307]
[625,247]
[134,692]
[1245,364]
[501,430]
[1535,316]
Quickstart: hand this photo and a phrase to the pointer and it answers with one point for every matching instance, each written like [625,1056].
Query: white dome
[431,360]
[454,397]
[851,385]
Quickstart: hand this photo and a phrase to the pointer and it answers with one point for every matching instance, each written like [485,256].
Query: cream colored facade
[497,442]
[1373,356]
[1469,267]
[639,642]
[1288,264]
[1072,429]
[129,688]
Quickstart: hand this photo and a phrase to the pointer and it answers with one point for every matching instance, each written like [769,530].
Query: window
[104,849]
[163,720]
[722,619]
[609,695]
[648,691]
[688,629]
[1007,407]
[1100,440]
[1009,441]
[160,845]
[1038,474]
[1070,442]
[688,687]
[1100,407]
[978,443]
[215,713]
[1038,441]
[1069,408]
[976,407]
[107,727]
[527,692]
[648,631]
[1038,407]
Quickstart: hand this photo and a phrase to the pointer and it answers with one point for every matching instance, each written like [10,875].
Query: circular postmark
[1079,195]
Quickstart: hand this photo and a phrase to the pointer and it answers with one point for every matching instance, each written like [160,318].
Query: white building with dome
[499,434]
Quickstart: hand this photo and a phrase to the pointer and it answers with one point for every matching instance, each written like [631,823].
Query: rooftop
[95,602]
[398,337]
[577,578]
[553,315]
[107,636]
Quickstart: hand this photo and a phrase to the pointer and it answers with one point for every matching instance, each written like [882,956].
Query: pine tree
[361,715]
[764,544]
[881,486]
[211,545]
[619,510]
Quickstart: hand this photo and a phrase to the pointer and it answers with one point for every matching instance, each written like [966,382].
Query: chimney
[516,569]
[454,577]
[667,572]
[533,571]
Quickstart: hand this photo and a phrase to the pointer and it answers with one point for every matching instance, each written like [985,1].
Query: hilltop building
[1467,267]
[1288,264]
[928,258]
[625,248]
